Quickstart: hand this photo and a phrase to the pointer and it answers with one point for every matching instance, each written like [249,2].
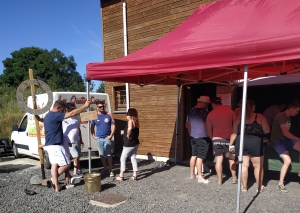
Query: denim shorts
[75,150]
[281,146]
[104,147]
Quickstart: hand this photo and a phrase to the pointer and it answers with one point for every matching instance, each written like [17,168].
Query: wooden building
[148,21]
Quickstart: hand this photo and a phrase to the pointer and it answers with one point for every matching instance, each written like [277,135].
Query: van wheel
[47,164]
[15,150]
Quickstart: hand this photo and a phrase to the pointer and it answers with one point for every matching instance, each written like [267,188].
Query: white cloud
[76,30]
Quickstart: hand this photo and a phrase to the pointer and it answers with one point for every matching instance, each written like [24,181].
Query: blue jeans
[104,147]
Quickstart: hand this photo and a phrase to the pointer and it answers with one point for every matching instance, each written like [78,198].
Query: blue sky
[71,26]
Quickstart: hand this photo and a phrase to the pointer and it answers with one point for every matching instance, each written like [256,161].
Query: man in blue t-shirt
[105,129]
[60,163]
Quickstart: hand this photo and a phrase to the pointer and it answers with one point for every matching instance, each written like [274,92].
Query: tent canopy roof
[214,44]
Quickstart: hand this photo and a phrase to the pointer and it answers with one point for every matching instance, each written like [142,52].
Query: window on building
[120,98]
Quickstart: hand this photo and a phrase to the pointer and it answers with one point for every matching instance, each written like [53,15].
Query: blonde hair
[133,114]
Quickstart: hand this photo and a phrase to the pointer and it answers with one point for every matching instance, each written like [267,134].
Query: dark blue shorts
[282,146]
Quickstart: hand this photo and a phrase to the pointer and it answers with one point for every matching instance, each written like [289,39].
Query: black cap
[216,100]
[70,105]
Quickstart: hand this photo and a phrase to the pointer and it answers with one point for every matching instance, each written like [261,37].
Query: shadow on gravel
[144,173]
[247,207]
[274,175]
[14,167]
[107,186]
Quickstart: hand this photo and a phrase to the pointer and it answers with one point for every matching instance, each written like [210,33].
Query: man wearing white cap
[196,125]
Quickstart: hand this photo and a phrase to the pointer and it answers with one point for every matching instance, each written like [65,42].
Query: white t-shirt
[71,130]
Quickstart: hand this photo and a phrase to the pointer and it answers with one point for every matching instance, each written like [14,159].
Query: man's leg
[63,169]
[199,169]
[109,160]
[286,163]
[67,177]
[107,153]
[192,166]
[103,160]
[54,177]
[232,167]
[76,165]
[219,168]
[297,147]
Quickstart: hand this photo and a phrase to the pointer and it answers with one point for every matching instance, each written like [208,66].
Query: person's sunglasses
[100,106]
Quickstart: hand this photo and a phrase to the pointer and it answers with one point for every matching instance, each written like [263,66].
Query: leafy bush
[10,111]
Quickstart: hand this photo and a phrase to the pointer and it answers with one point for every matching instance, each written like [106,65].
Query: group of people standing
[63,140]
[222,128]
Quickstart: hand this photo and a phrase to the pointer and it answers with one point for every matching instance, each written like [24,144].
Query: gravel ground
[158,189]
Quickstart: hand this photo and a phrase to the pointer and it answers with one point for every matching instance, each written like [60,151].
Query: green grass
[10,111]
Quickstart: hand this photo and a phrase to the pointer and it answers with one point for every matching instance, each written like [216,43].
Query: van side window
[23,125]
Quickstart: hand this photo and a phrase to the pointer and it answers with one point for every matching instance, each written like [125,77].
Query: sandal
[119,178]
[133,178]
[262,189]
[205,181]
[244,189]
[234,181]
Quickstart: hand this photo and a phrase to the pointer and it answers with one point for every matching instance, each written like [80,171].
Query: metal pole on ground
[240,161]
[89,126]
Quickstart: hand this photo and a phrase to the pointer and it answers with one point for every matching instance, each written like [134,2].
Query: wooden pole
[37,126]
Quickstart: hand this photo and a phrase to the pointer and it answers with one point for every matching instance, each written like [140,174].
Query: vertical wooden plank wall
[147,21]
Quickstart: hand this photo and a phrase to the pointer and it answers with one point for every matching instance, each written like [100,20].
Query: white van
[23,137]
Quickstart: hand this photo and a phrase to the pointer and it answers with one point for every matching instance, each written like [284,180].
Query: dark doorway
[267,95]
[191,94]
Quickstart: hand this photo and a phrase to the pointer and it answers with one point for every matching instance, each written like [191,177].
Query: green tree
[53,67]
[101,87]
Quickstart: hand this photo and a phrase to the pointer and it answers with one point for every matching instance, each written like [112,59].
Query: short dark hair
[70,105]
[294,104]
[59,104]
[100,102]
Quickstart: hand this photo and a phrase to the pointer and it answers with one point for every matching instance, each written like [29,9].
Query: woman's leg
[133,160]
[245,166]
[258,170]
[123,160]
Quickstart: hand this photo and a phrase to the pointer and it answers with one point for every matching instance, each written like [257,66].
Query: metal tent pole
[242,136]
[176,126]
[88,128]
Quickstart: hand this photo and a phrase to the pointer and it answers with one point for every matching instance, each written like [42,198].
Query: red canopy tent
[213,44]
[219,42]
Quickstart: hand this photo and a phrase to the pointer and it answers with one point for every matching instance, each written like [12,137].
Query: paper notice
[88,116]
[226,99]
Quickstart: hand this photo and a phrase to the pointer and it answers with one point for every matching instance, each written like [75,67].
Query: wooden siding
[157,115]
[148,21]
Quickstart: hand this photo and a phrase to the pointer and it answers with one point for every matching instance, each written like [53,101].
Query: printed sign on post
[88,116]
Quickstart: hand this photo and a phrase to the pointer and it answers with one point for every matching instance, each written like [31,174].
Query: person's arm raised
[78,110]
